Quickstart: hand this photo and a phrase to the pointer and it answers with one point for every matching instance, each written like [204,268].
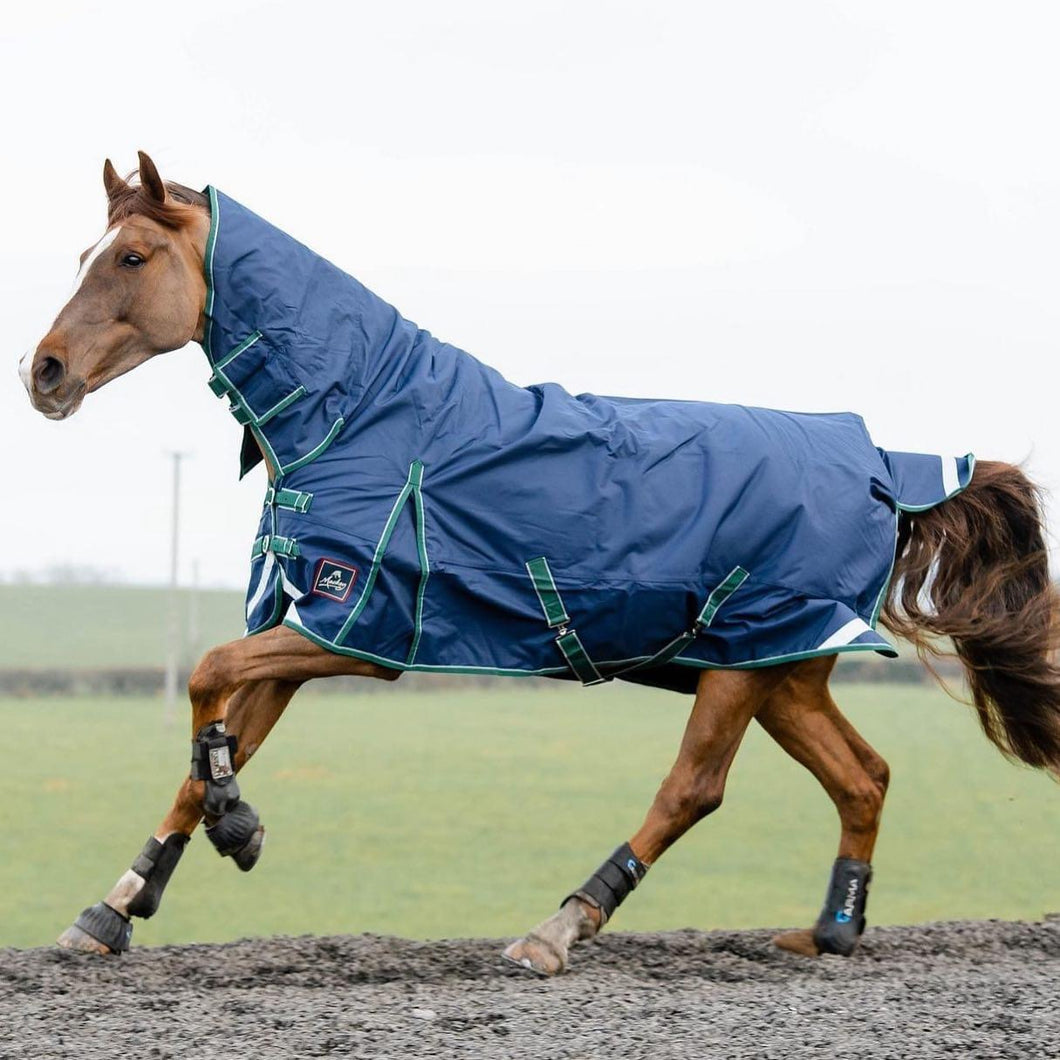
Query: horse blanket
[426,514]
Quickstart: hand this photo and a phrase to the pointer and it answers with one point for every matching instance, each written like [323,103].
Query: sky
[814,206]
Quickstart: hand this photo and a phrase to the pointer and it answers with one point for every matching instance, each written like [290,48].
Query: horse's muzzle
[51,390]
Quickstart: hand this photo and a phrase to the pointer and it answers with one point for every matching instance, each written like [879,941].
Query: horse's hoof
[535,954]
[78,941]
[800,942]
[99,929]
[247,856]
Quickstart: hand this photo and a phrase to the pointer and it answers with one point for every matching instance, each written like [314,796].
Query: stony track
[962,989]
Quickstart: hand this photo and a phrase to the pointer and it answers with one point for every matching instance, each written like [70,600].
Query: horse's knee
[689,799]
[880,774]
[860,804]
[210,676]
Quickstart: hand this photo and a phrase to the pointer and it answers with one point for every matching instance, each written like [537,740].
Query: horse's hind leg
[802,717]
[726,701]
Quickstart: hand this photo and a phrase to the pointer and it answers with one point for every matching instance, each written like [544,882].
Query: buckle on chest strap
[292,500]
[280,546]
[567,640]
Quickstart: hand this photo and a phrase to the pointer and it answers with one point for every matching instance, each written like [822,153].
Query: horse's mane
[175,212]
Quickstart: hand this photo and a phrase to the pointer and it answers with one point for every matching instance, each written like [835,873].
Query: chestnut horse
[973,569]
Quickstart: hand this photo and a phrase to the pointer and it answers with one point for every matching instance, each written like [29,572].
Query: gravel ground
[962,989]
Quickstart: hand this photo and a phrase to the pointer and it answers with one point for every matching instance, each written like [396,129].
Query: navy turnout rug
[426,514]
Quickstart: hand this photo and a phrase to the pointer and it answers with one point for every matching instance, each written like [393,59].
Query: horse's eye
[132,261]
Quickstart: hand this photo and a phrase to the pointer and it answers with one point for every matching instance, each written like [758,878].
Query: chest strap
[292,500]
[281,546]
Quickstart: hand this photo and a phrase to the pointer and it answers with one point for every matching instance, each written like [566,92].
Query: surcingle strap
[567,640]
[612,882]
[842,919]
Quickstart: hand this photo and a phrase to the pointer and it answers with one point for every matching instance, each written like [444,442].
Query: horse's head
[140,291]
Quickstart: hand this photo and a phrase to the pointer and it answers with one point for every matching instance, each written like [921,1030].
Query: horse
[422,513]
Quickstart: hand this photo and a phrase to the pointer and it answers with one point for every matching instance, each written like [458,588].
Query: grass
[99,626]
[473,812]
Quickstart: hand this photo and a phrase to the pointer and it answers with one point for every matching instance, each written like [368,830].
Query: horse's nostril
[48,374]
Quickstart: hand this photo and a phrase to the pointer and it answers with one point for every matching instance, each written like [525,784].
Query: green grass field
[96,626]
[473,812]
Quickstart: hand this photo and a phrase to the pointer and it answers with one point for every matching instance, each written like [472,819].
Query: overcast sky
[812,206]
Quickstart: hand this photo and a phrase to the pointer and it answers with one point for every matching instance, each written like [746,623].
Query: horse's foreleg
[802,717]
[238,693]
[726,701]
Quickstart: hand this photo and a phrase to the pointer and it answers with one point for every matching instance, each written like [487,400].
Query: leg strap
[842,919]
[608,887]
[155,863]
[213,760]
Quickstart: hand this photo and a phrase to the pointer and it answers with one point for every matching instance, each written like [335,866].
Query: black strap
[573,650]
[612,882]
[213,755]
[213,759]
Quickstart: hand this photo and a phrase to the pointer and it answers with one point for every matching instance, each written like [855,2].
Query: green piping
[394,664]
[882,595]
[298,392]
[271,620]
[313,453]
[241,348]
[377,558]
[238,401]
[233,392]
[425,567]
[211,243]
[970,457]
[773,660]
[912,509]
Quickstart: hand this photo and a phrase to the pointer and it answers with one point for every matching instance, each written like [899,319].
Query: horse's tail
[975,569]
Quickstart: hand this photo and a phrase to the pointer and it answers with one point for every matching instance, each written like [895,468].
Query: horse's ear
[113,184]
[150,181]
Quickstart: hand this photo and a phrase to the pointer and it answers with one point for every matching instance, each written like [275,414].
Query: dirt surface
[989,990]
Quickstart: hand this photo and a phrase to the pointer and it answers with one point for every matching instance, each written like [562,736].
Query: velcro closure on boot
[612,882]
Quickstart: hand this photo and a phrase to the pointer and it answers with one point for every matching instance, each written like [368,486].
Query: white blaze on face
[108,238]
[25,364]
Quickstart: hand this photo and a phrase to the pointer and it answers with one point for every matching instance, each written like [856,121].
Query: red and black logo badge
[334,580]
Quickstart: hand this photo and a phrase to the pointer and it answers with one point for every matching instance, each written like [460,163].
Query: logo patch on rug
[334,580]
